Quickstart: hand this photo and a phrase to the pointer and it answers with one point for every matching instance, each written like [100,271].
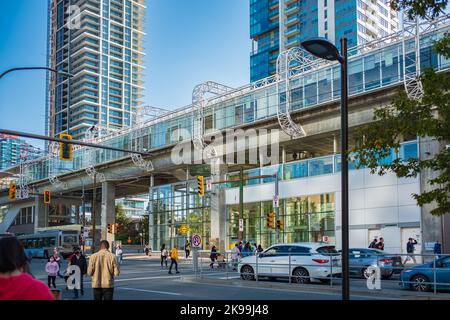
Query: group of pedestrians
[17,283]
[173,254]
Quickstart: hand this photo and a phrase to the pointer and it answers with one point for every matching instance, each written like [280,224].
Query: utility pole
[277,210]
[94,199]
[241,202]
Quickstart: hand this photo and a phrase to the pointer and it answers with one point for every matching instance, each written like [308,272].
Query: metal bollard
[290,278]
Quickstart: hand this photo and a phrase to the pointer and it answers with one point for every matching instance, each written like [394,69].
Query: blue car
[421,278]
[362,258]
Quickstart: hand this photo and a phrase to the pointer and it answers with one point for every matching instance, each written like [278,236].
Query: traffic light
[270,220]
[110,228]
[12,191]
[47,197]
[65,149]
[201,186]
[116,228]
[280,224]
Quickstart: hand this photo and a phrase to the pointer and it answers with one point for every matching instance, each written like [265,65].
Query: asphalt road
[142,278]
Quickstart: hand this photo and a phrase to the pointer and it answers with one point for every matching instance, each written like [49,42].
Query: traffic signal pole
[241,203]
[277,210]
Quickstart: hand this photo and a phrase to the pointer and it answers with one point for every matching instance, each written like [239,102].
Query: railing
[376,273]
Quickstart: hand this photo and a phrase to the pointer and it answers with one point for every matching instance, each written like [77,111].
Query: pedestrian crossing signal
[12,191]
[270,220]
[110,228]
[201,186]
[65,149]
[47,197]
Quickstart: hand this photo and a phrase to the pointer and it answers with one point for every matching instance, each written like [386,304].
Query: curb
[402,294]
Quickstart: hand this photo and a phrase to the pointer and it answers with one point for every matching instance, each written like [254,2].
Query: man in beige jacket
[102,268]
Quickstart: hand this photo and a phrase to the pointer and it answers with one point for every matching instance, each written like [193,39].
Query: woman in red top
[15,283]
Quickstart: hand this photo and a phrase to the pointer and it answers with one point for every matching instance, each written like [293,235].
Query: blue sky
[187,42]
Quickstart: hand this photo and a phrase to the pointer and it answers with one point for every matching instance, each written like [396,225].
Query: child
[52,269]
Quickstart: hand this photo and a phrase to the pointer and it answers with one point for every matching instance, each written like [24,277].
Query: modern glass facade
[103,51]
[378,68]
[306,218]
[277,25]
[14,150]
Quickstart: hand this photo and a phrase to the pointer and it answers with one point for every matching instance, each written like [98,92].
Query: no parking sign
[196,241]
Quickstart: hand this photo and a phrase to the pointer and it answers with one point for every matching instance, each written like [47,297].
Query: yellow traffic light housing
[270,220]
[12,191]
[65,149]
[201,186]
[116,228]
[280,224]
[47,197]
[110,228]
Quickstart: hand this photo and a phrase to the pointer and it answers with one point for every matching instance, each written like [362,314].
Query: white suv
[303,261]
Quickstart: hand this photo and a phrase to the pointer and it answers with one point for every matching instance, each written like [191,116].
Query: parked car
[362,258]
[421,277]
[308,261]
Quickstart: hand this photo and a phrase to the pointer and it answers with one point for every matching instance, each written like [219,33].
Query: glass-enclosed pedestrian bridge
[369,70]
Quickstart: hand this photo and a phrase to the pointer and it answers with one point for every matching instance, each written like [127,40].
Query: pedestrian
[213,256]
[221,261]
[78,259]
[380,244]
[410,250]
[373,244]
[187,248]
[174,259]
[240,247]
[147,250]
[255,249]
[235,257]
[103,268]
[247,250]
[164,255]
[437,249]
[15,281]
[52,269]
[57,258]
[260,249]
[119,254]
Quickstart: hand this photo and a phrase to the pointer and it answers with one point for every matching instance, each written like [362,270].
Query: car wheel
[247,273]
[419,283]
[300,275]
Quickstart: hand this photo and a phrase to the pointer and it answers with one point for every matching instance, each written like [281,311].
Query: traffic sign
[325,238]
[184,229]
[276,201]
[241,224]
[196,241]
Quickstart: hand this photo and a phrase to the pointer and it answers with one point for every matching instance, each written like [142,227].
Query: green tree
[406,118]
[124,222]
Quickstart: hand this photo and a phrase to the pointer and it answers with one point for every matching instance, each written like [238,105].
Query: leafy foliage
[428,118]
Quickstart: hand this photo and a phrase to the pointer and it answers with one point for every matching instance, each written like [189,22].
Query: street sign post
[196,242]
[276,201]
[241,224]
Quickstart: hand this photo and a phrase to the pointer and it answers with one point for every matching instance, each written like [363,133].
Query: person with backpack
[187,248]
[78,259]
[164,255]
[410,250]
[174,259]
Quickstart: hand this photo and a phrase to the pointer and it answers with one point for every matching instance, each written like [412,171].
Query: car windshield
[330,250]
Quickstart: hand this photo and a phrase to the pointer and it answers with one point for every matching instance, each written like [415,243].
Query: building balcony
[295,7]
[291,20]
[292,30]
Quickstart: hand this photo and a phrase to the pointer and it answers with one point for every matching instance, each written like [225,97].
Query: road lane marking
[150,291]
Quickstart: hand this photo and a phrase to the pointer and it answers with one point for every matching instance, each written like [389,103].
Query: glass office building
[100,42]
[277,25]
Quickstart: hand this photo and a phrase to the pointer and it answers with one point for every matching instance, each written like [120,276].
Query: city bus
[42,243]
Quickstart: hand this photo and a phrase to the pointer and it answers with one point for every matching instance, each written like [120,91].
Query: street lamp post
[324,49]
[64,73]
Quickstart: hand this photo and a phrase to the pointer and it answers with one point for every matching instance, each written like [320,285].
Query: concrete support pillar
[335,144]
[431,226]
[151,230]
[218,212]
[40,213]
[108,210]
